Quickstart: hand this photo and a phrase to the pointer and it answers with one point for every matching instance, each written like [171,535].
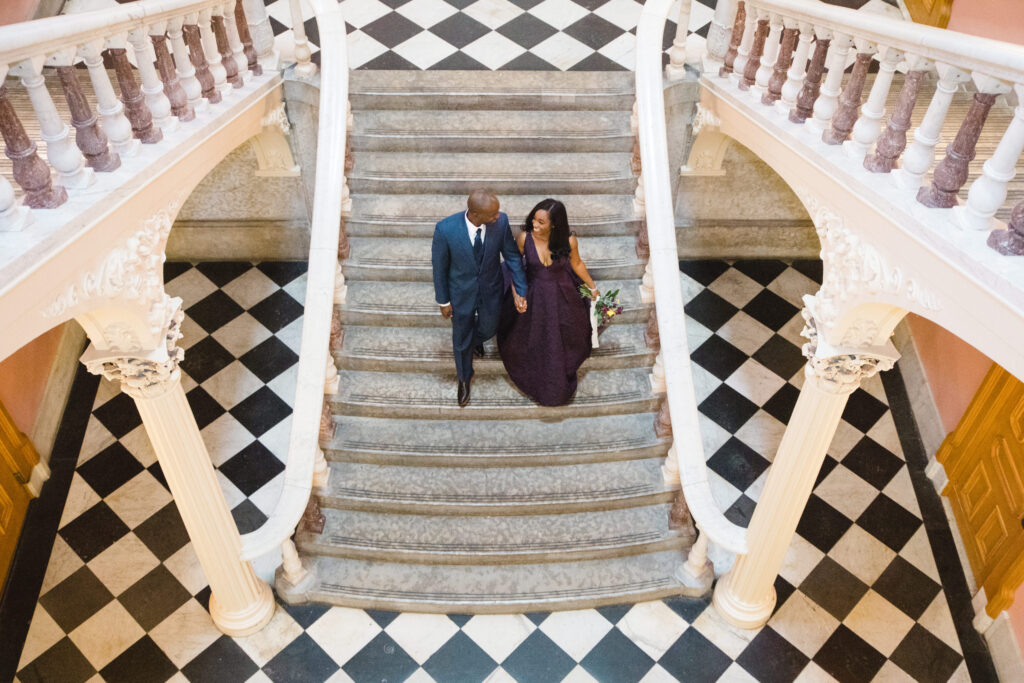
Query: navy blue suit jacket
[456,279]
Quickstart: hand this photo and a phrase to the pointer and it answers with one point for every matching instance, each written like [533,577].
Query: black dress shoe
[478,351]
[463,393]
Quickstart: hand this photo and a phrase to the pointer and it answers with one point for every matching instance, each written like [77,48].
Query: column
[173,89]
[61,151]
[240,603]
[115,123]
[919,156]
[134,103]
[734,40]
[745,596]
[988,192]
[811,87]
[894,140]
[719,33]
[783,63]
[846,114]
[795,75]
[88,134]
[825,105]
[770,54]
[152,87]
[187,72]
[869,125]
[29,171]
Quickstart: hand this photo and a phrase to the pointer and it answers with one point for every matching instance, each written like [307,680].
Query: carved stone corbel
[709,145]
[273,153]
[840,370]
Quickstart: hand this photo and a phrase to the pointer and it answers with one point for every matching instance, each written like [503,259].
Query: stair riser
[355,271]
[491,510]
[490,143]
[307,544]
[492,101]
[434,319]
[361,228]
[516,185]
[496,607]
[524,411]
[656,450]
[486,366]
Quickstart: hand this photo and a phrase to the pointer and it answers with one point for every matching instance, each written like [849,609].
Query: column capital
[840,370]
[142,373]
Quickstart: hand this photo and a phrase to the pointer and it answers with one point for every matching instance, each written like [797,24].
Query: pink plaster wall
[999,19]
[23,378]
[14,11]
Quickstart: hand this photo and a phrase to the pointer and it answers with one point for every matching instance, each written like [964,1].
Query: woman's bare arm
[521,241]
[578,266]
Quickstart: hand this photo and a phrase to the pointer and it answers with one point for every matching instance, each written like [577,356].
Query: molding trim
[922,401]
[239,240]
[57,391]
[40,474]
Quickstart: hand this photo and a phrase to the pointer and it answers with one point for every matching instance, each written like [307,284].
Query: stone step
[496,491]
[514,90]
[412,304]
[494,443]
[492,131]
[492,589]
[409,215]
[375,258]
[429,349]
[433,396]
[420,173]
[508,539]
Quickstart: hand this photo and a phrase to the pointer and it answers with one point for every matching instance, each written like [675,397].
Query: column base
[247,621]
[742,614]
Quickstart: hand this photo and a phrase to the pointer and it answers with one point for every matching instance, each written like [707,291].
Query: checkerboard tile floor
[860,596]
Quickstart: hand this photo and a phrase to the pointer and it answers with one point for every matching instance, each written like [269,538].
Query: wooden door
[930,12]
[17,458]
[984,460]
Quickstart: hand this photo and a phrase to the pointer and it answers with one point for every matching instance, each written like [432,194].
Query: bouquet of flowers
[602,310]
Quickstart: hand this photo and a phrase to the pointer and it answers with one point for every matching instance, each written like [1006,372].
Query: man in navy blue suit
[468,281]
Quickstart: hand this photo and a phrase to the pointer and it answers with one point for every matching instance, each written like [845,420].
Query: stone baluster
[184,67]
[680,54]
[291,565]
[783,62]
[115,124]
[825,105]
[327,425]
[331,378]
[719,30]
[262,34]
[869,125]
[173,88]
[795,75]
[213,59]
[697,571]
[340,288]
[220,39]
[753,62]
[304,68]
[639,197]
[134,103]
[643,246]
[658,385]
[344,248]
[1009,242]
[921,152]
[647,285]
[988,192]
[734,40]
[321,470]
[670,468]
[652,338]
[679,514]
[29,171]
[770,55]
[663,420]
[893,140]
[846,113]
[61,151]
[242,25]
[197,56]
[13,216]
[951,173]
[743,51]
[808,95]
[88,134]
[234,32]
[337,339]
[158,103]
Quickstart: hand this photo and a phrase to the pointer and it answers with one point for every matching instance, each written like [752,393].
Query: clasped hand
[519,301]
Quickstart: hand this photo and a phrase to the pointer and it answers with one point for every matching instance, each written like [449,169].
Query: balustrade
[846,114]
[736,36]
[797,70]
[753,62]
[770,54]
[783,62]
[869,125]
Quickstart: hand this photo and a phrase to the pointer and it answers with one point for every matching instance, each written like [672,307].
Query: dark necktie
[478,248]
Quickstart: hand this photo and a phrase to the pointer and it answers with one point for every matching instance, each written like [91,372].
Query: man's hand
[519,301]
[446,311]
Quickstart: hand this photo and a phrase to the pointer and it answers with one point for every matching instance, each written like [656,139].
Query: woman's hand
[595,293]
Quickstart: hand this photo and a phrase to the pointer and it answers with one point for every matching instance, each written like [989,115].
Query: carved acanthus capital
[840,370]
[277,117]
[146,374]
[704,117]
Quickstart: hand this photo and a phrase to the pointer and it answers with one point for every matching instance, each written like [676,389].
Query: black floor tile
[163,533]
[223,272]
[889,522]
[738,463]
[538,660]
[206,358]
[822,524]
[306,614]
[119,415]
[154,597]
[596,62]
[688,608]
[827,465]
[269,358]
[381,659]
[277,310]
[460,659]
[718,357]
[62,663]
[248,517]
[391,30]
[384,617]
[761,271]
[75,599]
[769,658]
[833,588]
[283,272]
[459,30]
[527,30]
[614,613]
[783,589]
[741,511]
[528,62]
[301,661]
[215,311]
[846,656]
[770,309]
[710,310]
[173,269]
[223,661]
[812,269]
[459,61]
[694,658]
[391,61]
[251,468]
[863,410]
[781,404]
[781,357]
[143,662]
[925,657]
[109,469]
[728,408]
[205,408]
[907,587]
[260,411]
[872,462]
[616,658]
[94,531]
[704,271]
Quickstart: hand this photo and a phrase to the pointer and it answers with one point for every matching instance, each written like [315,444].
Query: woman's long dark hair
[558,240]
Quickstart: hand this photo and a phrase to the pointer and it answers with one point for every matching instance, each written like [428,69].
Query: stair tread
[430,208]
[485,488]
[492,166]
[478,123]
[516,587]
[567,82]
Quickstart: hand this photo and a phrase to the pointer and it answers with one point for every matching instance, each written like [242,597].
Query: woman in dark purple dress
[544,347]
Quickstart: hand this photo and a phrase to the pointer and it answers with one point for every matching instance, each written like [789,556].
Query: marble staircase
[503,505]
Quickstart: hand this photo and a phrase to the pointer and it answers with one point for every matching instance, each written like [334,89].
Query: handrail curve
[323,254]
[668,300]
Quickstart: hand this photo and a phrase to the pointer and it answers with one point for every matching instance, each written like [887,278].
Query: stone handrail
[305,460]
[668,297]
